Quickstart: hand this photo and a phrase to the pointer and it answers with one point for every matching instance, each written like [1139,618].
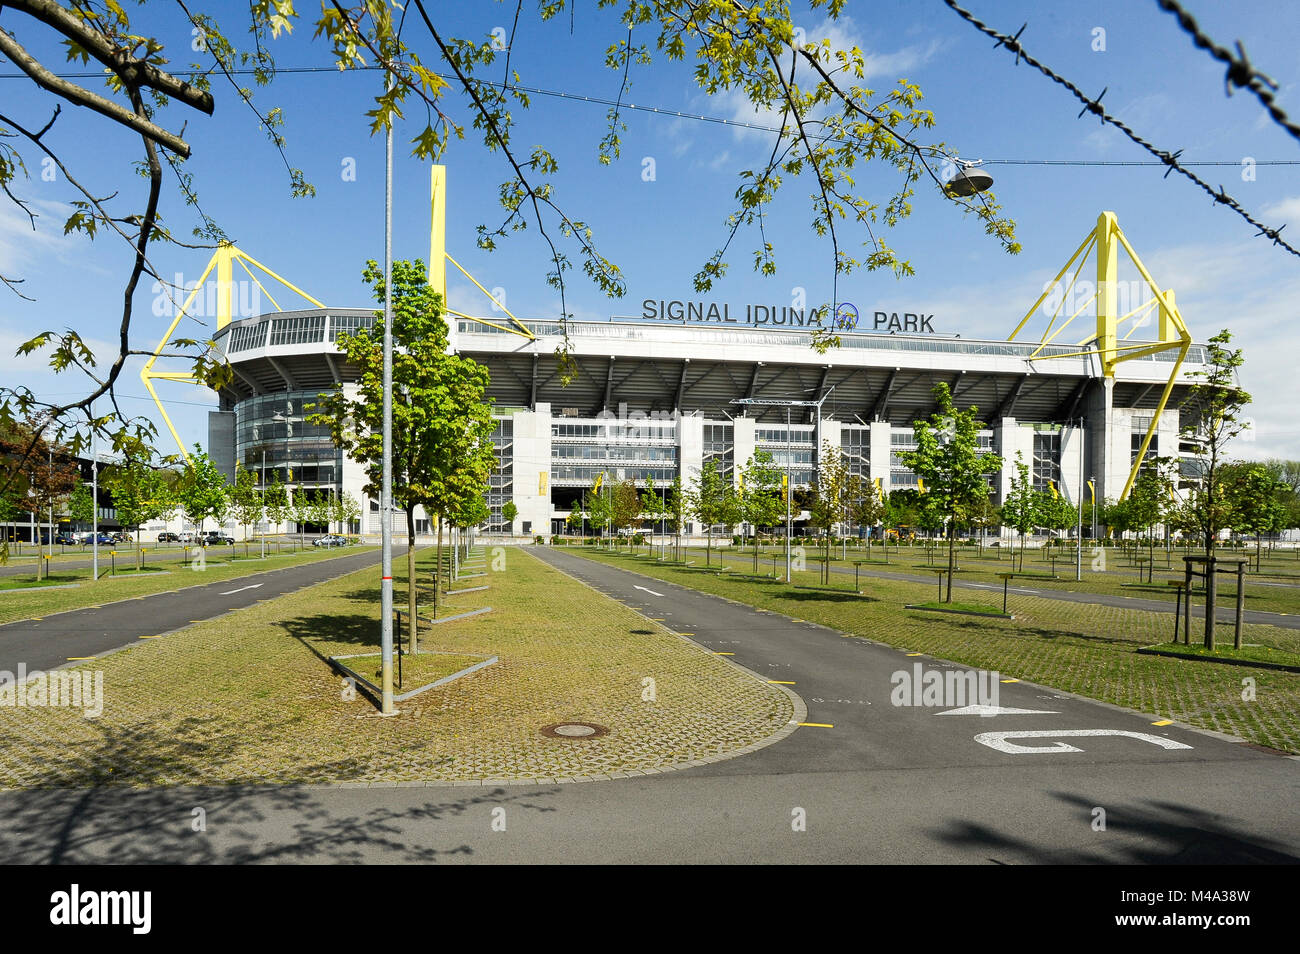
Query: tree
[442,451]
[1148,503]
[830,497]
[830,129]
[625,506]
[509,512]
[346,511]
[245,502]
[983,515]
[203,491]
[652,505]
[706,502]
[761,503]
[573,521]
[1216,403]
[870,509]
[676,507]
[1020,509]
[1255,497]
[948,460]
[598,507]
[49,475]
[276,501]
[81,505]
[141,492]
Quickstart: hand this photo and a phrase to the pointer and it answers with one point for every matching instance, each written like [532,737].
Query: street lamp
[789,451]
[969,179]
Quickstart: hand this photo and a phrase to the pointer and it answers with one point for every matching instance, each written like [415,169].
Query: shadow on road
[1143,833]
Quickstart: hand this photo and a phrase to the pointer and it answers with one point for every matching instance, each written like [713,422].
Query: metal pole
[263,534]
[1078,563]
[386,491]
[789,489]
[94,500]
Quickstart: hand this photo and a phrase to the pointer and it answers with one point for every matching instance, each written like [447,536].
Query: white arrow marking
[983,710]
[644,590]
[251,586]
[999,740]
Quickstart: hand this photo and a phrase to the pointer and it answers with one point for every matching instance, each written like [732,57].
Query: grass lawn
[250,698]
[983,608]
[127,583]
[1077,647]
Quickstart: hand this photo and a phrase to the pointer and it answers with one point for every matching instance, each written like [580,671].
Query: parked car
[186,537]
[66,539]
[121,536]
[105,538]
[215,538]
[168,537]
[330,540]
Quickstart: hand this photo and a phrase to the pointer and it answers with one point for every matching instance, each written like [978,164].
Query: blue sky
[661,231]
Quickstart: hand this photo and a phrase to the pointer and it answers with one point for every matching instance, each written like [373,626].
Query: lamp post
[386,482]
[94,501]
[1078,561]
[788,403]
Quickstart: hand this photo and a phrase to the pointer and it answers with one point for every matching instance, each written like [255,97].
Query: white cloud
[1286,210]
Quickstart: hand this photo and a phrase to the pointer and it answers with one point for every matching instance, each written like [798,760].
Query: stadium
[657,394]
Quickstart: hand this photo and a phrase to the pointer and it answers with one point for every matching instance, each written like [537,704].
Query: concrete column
[1072,445]
[690,446]
[532,469]
[880,451]
[742,442]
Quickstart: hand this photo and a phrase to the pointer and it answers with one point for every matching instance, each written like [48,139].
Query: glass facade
[501,484]
[855,445]
[796,455]
[634,448]
[720,448]
[300,453]
[1047,459]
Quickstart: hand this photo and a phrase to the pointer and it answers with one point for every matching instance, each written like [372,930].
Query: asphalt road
[55,640]
[872,782]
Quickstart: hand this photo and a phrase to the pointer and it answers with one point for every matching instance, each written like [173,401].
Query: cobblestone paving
[246,698]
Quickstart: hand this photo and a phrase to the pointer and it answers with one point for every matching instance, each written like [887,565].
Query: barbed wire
[1240,72]
[1093,105]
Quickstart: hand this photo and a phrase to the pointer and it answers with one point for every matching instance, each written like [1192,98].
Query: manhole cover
[574,730]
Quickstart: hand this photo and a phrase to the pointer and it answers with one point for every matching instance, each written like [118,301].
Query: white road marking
[984,710]
[251,586]
[644,590]
[999,740]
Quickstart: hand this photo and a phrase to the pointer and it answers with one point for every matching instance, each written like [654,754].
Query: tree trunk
[138,558]
[437,568]
[412,605]
[952,539]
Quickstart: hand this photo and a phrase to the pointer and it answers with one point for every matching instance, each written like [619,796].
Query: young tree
[1020,509]
[50,475]
[676,508]
[509,513]
[870,509]
[442,451]
[346,511]
[1256,499]
[245,501]
[276,501]
[574,521]
[203,491]
[81,505]
[598,506]
[761,502]
[625,506]
[652,505]
[830,498]
[947,458]
[1147,505]
[141,492]
[1216,402]
[706,502]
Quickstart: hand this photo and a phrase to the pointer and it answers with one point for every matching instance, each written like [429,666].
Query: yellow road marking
[1010,680]
[38,617]
[922,654]
[1164,722]
[80,657]
[150,637]
[780,682]
[724,654]
[657,619]
[685,634]
[818,725]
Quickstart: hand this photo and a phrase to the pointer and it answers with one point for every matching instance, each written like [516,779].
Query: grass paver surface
[250,698]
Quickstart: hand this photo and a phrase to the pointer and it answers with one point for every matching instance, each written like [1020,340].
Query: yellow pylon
[1107,239]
